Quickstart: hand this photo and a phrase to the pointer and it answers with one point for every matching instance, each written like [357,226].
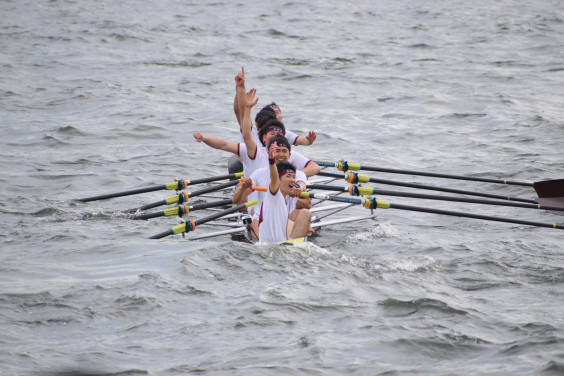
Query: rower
[269,112]
[261,178]
[277,220]
[255,155]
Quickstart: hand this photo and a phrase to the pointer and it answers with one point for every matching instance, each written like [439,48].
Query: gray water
[103,96]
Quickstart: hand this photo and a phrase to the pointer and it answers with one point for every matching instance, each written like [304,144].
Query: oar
[178,185]
[183,210]
[346,166]
[356,190]
[550,192]
[373,203]
[190,224]
[184,196]
[353,177]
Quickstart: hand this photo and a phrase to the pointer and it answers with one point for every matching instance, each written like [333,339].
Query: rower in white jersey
[253,154]
[269,112]
[277,220]
[261,178]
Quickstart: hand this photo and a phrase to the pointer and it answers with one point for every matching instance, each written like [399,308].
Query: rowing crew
[268,161]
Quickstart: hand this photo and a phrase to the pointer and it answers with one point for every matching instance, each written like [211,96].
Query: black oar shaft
[121,194]
[372,203]
[174,199]
[214,204]
[440,198]
[440,189]
[354,166]
[179,184]
[177,211]
[182,227]
[475,216]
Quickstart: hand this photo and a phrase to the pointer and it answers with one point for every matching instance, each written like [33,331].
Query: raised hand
[272,150]
[250,98]
[240,78]
[311,137]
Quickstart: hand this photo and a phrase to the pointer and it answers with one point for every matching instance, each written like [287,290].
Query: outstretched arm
[307,140]
[239,93]
[217,143]
[311,169]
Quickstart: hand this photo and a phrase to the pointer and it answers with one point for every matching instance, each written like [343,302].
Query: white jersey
[298,160]
[273,222]
[261,178]
[290,136]
[250,165]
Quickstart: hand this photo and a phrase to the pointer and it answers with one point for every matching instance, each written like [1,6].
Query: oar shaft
[121,194]
[184,209]
[345,166]
[192,224]
[366,191]
[427,187]
[372,203]
[475,216]
[179,185]
[177,198]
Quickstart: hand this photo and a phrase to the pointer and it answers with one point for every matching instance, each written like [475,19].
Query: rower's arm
[306,141]
[217,143]
[303,202]
[274,178]
[242,191]
[311,169]
[250,101]
[238,104]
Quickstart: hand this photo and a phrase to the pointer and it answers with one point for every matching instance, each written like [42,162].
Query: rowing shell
[242,229]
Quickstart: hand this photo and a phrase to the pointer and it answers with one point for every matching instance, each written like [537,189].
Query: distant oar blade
[551,193]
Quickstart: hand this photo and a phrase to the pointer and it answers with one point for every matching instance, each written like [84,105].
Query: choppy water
[101,96]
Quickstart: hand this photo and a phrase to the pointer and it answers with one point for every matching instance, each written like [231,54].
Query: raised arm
[239,93]
[217,143]
[274,178]
[307,140]
[250,101]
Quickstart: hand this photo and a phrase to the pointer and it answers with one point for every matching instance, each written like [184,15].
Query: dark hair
[264,115]
[281,141]
[270,124]
[271,105]
[285,165]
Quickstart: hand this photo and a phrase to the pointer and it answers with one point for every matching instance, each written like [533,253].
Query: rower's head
[271,129]
[283,148]
[287,174]
[263,116]
[276,109]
